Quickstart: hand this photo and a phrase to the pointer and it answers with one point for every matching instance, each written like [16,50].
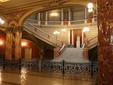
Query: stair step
[72,55]
[70,46]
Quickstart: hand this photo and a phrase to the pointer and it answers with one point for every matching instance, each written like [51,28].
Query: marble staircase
[72,55]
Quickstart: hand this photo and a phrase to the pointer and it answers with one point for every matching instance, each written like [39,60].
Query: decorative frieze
[54,3]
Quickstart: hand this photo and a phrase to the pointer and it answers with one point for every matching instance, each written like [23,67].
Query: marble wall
[105,33]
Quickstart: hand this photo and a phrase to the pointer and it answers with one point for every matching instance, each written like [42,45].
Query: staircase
[72,55]
[75,55]
[37,32]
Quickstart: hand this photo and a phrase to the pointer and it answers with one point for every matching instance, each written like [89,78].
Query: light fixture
[1,21]
[86,29]
[24,44]
[64,30]
[1,42]
[90,7]
[55,14]
[4,0]
[56,32]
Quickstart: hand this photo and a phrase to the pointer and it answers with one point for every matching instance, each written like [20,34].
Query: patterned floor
[23,79]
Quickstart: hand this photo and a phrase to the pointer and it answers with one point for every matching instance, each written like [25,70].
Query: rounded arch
[27,14]
[21,21]
[14,22]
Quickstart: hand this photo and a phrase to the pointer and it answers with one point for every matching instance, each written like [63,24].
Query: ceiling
[13,3]
[20,4]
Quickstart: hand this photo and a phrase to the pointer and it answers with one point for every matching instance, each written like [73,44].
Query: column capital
[14,29]
[18,28]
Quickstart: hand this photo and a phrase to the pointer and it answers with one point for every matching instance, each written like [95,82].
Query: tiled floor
[23,79]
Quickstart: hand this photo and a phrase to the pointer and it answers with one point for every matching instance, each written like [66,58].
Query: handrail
[47,36]
[92,45]
[53,21]
[57,22]
[92,38]
[93,41]
[61,50]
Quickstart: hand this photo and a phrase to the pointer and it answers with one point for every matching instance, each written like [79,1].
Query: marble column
[105,50]
[69,16]
[68,37]
[38,18]
[46,19]
[62,16]
[18,37]
[9,39]
[86,14]
[41,53]
[72,38]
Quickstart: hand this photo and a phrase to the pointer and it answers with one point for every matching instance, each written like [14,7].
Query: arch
[27,14]
[20,23]
[14,22]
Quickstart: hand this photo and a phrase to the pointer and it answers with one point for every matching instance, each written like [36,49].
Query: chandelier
[4,0]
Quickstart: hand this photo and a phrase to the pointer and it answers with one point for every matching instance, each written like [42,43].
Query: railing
[93,42]
[61,50]
[74,22]
[64,68]
[42,35]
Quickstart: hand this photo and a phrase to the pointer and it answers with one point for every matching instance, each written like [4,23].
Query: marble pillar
[62,16]
[69,16]
[9,39]
[41,53]
[18,37]
[38,18]
[46,18]
[105,51]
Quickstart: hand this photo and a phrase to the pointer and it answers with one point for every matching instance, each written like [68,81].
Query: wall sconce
[90,7]
[23,44]
[1,21]
[1,42]
[54,14]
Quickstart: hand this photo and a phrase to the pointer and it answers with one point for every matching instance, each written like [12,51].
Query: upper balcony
[60,24]
[70,17]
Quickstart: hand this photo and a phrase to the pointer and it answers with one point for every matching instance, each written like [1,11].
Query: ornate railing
[74,22]
[63,67]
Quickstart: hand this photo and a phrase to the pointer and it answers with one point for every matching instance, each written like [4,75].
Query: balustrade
[38,32]
[75,22]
